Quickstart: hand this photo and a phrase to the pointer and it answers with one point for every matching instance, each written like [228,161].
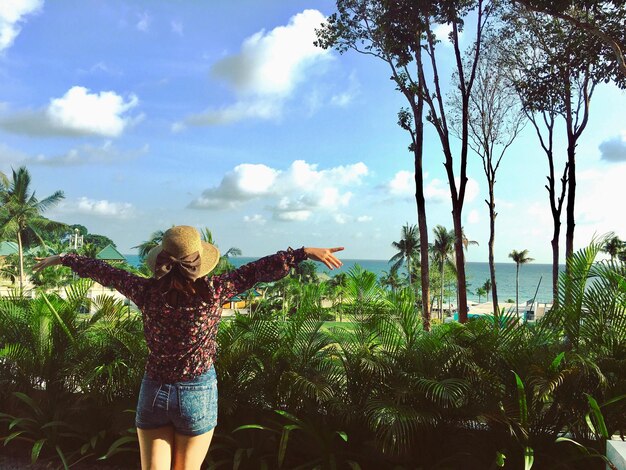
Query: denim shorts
[190,406]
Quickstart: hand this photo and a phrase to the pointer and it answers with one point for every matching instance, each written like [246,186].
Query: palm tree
[520,257]
[21,213]
[613,246]
[466,241]
[442,250]
[154,240]
[487,287]
[390,279]
[337,288]
[480,292]
[408,250]
[207,236]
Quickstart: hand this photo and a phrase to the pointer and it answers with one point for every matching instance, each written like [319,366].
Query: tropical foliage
[60,365]
[520,258]
[372,391]
[21,213]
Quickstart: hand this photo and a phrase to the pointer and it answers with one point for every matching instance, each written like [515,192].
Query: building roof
[244,295]
[8,248]
[110,253]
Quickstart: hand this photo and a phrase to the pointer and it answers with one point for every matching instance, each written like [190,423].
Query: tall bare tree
[363,26]
[557,67]
[495,120]
[403,31]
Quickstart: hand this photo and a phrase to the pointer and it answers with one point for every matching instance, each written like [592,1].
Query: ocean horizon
[534,277]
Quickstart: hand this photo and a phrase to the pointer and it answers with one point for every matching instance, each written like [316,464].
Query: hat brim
[209,258]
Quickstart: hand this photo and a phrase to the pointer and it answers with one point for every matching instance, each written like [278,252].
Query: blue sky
[224,115]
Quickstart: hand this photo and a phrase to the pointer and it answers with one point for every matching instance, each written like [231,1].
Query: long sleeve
[131,286]
[267,269]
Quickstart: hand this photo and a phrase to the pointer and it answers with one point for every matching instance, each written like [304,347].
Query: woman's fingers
[332,261]
[325,255]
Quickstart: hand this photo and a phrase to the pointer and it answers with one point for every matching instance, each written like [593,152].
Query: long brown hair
[175,287]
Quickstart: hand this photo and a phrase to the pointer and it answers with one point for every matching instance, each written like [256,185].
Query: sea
[534,278]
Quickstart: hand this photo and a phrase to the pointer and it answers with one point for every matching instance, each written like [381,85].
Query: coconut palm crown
[442,250]
[613,246]
[407,250]
[520,257]
[21,213]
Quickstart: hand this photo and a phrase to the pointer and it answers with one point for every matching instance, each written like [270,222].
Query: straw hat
[183,249]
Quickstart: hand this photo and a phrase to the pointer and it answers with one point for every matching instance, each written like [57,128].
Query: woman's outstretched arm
[271,268]
[126,283]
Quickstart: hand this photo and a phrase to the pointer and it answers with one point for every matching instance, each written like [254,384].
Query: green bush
[372,391]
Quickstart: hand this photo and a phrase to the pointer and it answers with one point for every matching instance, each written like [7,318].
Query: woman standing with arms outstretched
[181,309]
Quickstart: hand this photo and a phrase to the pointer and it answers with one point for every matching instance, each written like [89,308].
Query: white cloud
[101,68]
[293,216]
[341,218]
[255,219]
[91,113]
[473,217]
[83,155]
[98,208]
[245,182]
[402,184]
[177,27]
[436,190]
[89,154]
[292,194]
[346,97]
[257,109]
[143,24]
[10,156]
[504,204]
[614,150]
[442,32]
[599,197]
[12,13]
[78,112]
[472,189]
[273,63]
[265,72]
[364,218]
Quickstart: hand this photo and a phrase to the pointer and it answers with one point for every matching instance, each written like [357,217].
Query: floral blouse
[182,340]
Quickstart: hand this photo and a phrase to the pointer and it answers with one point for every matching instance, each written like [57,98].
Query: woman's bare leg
[156,447]
[190,451]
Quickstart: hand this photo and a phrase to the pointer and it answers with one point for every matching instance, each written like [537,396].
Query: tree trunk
[423,231]
[571,173]
[21,256]
[460,261]
[492,264]
[442,281]
[418,153]
[517,290]
[571,197]
[555,260]
[408,268]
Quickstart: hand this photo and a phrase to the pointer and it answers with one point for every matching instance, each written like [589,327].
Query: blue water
[477,273]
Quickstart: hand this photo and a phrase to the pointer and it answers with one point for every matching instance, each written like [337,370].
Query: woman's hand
[325,255]
[42,263]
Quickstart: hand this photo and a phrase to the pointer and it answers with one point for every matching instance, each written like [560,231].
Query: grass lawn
[347,325]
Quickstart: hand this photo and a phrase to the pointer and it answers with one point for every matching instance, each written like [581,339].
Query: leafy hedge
[378,392]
